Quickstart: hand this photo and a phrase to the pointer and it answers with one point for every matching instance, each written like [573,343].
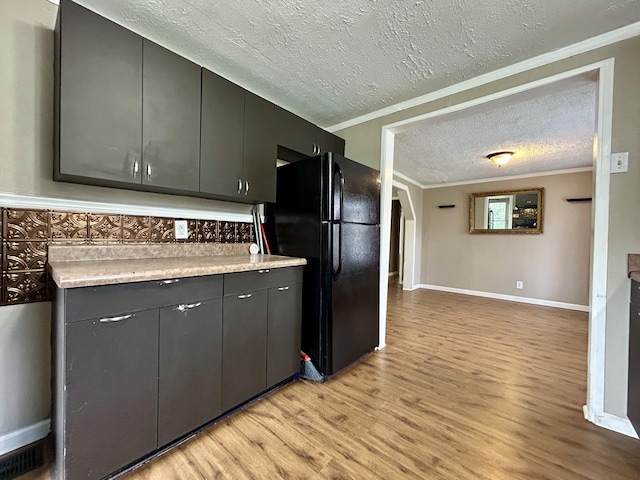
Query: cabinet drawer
[635,292]
[241,282]
[91,302]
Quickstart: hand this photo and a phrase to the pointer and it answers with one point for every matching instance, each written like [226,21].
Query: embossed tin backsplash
[26,235]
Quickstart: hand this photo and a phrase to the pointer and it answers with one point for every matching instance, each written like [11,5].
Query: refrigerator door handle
[335,271]
[338,171]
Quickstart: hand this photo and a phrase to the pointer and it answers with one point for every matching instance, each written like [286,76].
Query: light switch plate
[181,231]
[620,162]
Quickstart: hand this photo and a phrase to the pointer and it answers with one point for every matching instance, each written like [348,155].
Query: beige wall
[363,142]
[26,106]
[553,266]
[26,167]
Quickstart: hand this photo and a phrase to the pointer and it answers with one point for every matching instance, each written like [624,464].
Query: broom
[307,370]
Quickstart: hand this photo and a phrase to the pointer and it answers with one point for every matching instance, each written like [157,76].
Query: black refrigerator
[327,210]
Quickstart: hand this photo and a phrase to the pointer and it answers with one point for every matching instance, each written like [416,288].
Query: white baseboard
[380,347]
[510,298]
[24,436]
[611,422]
[408,288]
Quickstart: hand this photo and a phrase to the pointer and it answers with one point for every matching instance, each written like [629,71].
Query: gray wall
[363,143]
[553,265]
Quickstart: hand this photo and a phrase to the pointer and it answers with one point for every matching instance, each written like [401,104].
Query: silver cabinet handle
[116,319]
[246,188]
[169,282]
[135,168]
[282,289]
[264,271]
[188,306]
[246,295]
[239,186]
[148,171]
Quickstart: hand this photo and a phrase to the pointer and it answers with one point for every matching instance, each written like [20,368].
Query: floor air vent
[22,461]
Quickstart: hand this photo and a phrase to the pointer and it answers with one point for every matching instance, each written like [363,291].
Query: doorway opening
[603,71]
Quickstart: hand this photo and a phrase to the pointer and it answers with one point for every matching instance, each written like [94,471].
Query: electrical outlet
[620,162]
[519,284]
[181,230]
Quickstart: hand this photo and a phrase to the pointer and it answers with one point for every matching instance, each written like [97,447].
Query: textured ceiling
[333,60]
[549,129]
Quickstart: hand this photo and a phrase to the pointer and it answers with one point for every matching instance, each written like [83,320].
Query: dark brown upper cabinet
[260,149]
[296,133]
[132,114]
[98,99]
[222,136]
[170,119]
[304,137]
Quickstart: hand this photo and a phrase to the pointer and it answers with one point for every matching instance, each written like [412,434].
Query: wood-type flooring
[466,388]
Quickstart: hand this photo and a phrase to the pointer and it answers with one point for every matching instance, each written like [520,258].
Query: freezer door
[354,293]
[356,191]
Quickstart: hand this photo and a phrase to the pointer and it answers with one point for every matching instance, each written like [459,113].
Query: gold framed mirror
[507,212]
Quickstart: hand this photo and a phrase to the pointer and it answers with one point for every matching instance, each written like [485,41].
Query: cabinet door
[260,150]
[283,335]
[221,136]
[171,120]
[100,97]
[190,360]
[296,133]
[112,392]
[244,347]
[328,142]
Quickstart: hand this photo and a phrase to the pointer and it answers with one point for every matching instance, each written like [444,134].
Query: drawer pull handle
[169,282]
[116,319]
[188,306]
[247,295]
[263,271]
[282,289]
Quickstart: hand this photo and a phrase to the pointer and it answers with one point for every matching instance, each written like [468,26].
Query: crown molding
[511,177]
[593,43]
[407,179]
[493,179]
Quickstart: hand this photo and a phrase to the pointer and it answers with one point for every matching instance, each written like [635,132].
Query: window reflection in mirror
[513,211]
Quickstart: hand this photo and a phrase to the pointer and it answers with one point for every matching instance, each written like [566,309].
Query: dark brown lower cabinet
[244,352]
[111,387]
[190,361]
[157,360]
[283,332]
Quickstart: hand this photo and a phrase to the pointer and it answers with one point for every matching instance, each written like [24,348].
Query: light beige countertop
[633,266]
[92,265]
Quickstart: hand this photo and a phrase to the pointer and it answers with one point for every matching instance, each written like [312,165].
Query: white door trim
[409,237]
[602,152]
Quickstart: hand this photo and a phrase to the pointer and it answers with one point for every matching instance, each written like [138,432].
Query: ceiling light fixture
[500,158]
